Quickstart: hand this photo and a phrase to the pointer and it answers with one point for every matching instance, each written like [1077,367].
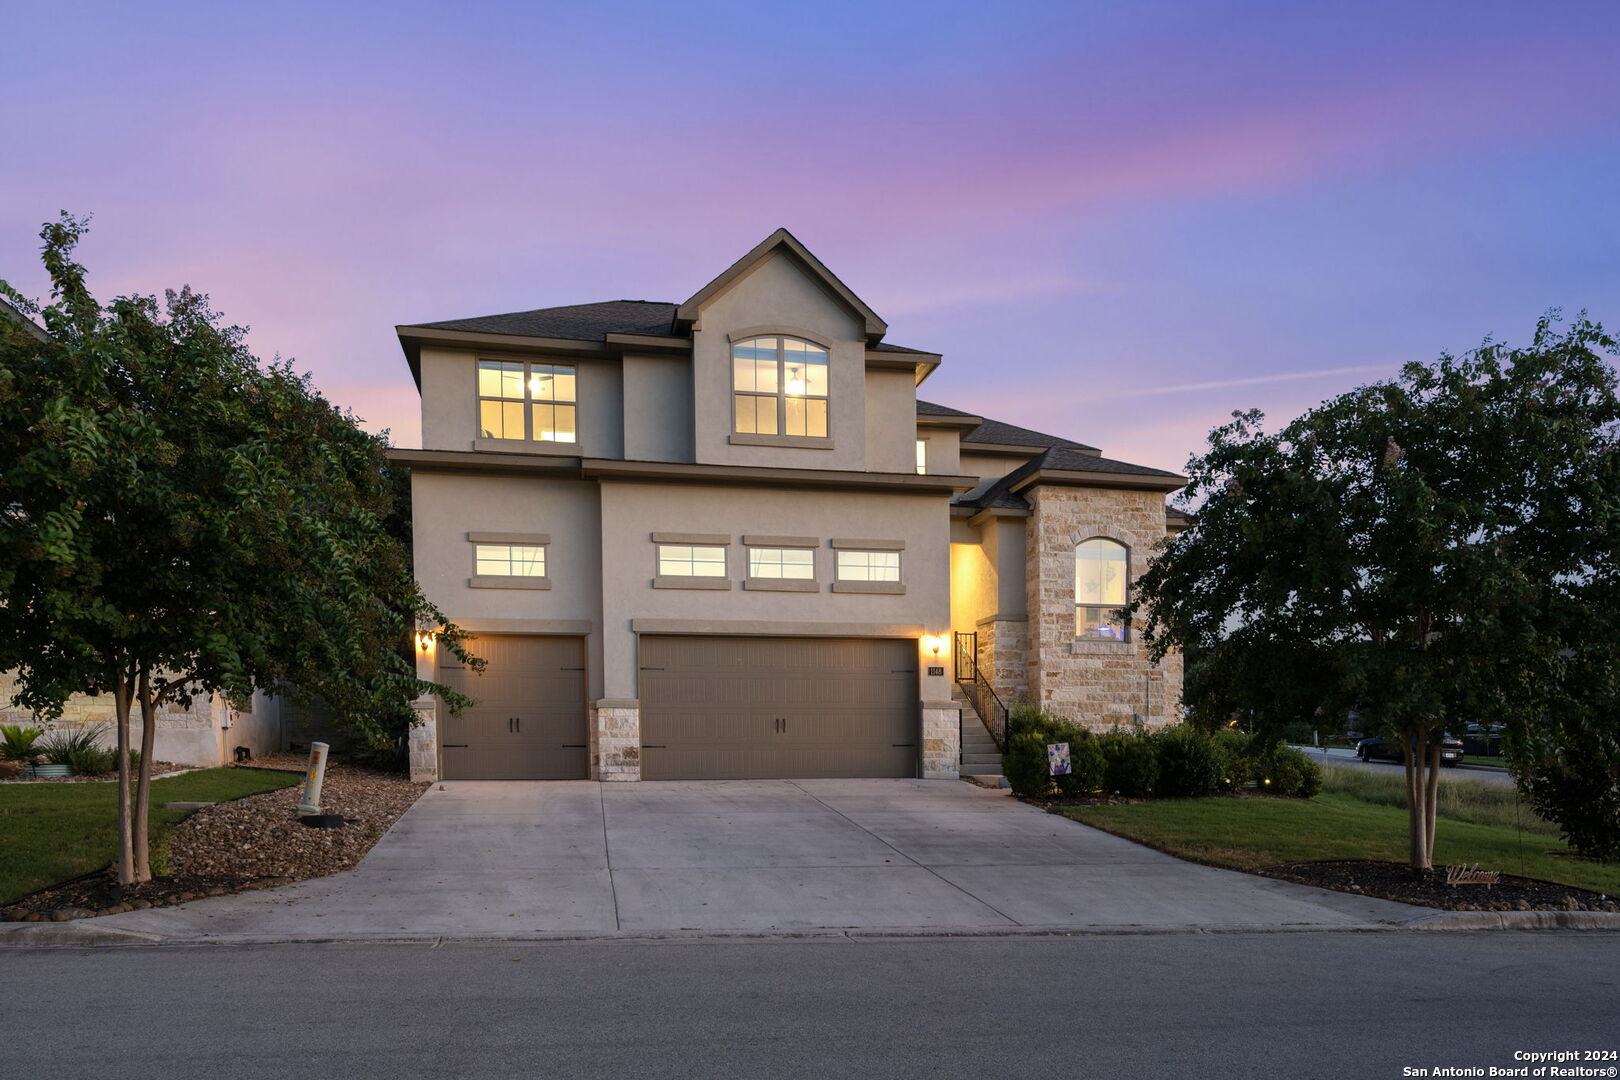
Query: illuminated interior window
[1101,585]
[796,563]
[685,560]
[510,560]
[779,387]
[527,401]
[922,456]
[868,566]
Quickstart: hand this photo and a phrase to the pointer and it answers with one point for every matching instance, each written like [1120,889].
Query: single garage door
[529,720]
[732,708]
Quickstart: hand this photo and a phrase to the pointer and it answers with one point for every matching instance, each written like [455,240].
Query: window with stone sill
[790,564]
[509,560]
[691,560]
[868,565]
[1101,589]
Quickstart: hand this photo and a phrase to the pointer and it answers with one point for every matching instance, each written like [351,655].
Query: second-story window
[779,387]
[794,564]
[526,401]
[922,456]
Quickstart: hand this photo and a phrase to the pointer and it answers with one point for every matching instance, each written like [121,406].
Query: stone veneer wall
[941,740]
[1098,683]
[1004,656]
[614,740]
[187,734]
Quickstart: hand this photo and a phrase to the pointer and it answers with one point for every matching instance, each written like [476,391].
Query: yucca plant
[17,742]
[59,747]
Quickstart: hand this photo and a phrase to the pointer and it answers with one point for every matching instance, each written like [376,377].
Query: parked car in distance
[1380,749]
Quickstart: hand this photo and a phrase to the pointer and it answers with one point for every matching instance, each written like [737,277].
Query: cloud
[1247,380]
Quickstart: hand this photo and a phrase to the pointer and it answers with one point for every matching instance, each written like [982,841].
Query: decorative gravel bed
[250,843]
[1394,881]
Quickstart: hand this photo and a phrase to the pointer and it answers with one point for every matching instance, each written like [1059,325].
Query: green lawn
[1250,833]
[53,832]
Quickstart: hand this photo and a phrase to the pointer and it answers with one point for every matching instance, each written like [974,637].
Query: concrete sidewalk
[521,860]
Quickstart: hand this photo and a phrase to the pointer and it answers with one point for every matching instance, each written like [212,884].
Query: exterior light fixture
[934,643]
[424,641]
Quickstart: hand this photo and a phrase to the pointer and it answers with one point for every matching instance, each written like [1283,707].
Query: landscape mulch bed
[1395,881]
[251,843]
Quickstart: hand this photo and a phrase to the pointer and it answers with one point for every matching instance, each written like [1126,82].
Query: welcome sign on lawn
[1057,758]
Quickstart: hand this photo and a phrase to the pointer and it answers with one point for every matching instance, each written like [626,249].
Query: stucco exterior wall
[450,403]
[657,408]
[632,512]
[944,446]
[891,440]
[778,295]
[1098,683]
[447,506]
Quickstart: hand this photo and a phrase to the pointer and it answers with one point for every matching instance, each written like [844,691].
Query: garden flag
[1057,758]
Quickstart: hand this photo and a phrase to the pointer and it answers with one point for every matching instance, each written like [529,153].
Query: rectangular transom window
[510,560]
[868,566]
[796,563]
[518,400]
[779,387]
[685,560]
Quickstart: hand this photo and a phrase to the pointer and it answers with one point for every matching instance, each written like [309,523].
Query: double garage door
[719,708]
[732,708]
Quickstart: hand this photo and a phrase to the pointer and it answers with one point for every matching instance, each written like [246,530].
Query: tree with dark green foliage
[177,519]
[1431,550]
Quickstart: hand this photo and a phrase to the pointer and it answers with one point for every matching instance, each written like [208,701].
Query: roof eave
[1071,478]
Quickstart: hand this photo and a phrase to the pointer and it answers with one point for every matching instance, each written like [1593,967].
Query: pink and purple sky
[1118,221]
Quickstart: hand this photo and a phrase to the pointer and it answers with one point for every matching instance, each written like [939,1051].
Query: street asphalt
[1300,1006]
[1339,757]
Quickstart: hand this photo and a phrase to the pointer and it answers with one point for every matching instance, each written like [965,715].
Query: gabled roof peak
[785,242]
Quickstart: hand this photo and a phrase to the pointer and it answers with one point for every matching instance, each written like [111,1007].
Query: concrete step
[974,762]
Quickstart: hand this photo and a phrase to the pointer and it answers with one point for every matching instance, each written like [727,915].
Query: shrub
[1130,766]
[60,747]
[1027,767]
[17,742]
[1566,769]
[1285,771]
[1087,767]
[1191,763]
[92,761]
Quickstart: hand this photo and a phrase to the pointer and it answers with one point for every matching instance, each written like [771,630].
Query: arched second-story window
[1102,582]
[779,387]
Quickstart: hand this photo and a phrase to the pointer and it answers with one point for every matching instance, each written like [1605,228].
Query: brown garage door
[729,708]
[529,720]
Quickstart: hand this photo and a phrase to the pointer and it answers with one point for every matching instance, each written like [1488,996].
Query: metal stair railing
[986,702]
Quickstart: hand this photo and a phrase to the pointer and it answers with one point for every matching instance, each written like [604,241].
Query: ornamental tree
[177,519]
[1422,550]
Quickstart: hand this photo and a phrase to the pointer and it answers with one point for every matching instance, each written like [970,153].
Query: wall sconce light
[424,641]
[935,643]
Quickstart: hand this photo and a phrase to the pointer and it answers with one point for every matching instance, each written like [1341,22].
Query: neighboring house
[724,539]
[205,732]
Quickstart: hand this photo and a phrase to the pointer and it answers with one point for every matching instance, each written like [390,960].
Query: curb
[75,932]
[1518,920]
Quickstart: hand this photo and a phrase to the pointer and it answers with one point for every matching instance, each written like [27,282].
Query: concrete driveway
[481,859]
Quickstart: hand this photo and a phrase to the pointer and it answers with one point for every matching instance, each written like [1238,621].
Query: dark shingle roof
[1067,460]
[593,322]
[928,408]
[994,431]
[580,322]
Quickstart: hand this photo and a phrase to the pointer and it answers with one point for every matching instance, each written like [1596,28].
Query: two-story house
[723,538]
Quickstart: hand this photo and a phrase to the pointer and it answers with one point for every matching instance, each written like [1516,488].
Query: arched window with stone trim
[1102,584]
